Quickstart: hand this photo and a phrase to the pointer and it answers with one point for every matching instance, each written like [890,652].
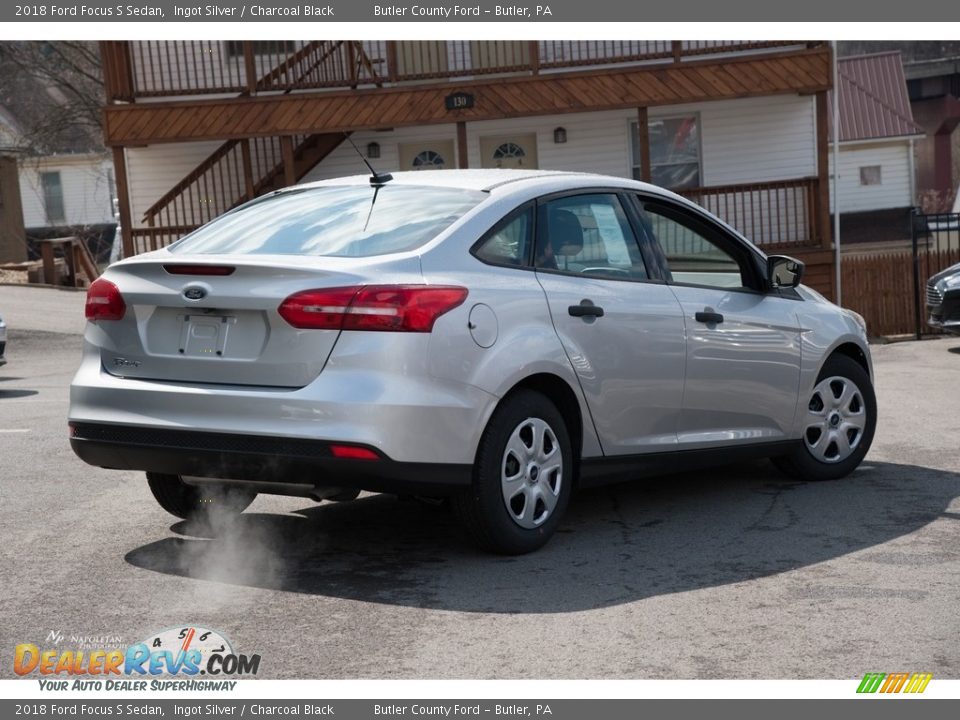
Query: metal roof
[873,99]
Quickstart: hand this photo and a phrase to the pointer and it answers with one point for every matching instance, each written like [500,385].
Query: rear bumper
[263,459]
[393,407]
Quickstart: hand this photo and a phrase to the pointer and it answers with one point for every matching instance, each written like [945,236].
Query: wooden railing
[218,183]
[778,214]
[168,68]
[145,239]
[774,215]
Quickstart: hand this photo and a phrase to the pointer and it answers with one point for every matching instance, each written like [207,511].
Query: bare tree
[55,90]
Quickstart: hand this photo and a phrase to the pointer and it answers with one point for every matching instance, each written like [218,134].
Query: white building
[67,190]
[877,179]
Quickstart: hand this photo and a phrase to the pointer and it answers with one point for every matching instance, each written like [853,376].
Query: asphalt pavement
[731,573]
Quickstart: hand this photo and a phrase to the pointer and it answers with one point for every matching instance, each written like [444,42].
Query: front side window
[694,256]
[334,221]
[674,152]
[588,235]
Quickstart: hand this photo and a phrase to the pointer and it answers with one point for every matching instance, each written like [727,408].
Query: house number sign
[459,101]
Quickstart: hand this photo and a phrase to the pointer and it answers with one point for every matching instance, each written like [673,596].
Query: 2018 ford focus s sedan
[499,338]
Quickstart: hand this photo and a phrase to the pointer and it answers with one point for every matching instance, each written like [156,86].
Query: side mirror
[783,272]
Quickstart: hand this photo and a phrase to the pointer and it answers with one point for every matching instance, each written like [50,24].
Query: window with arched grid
[508,150]
[429,160]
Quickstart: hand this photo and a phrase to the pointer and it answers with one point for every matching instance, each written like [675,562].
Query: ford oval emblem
[194,293]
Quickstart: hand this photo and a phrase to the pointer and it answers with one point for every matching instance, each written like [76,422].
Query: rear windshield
[336,221]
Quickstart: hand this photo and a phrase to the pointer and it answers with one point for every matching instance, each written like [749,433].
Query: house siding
[745,140]
[894,190]
[87,191]
[750,140]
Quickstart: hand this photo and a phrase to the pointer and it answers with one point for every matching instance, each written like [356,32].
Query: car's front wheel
[522,478]
[838,423]
[192,501]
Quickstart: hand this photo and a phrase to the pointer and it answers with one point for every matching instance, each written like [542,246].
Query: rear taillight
[397,308]
[104,301]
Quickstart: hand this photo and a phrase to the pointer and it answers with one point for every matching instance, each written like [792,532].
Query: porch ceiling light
[373,150]
[560,135]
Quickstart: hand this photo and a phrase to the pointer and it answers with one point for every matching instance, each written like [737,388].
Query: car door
[621,328]
[743,343]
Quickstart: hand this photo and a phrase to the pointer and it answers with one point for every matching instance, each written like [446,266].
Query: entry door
[509,151]
[743,346]
[622,333]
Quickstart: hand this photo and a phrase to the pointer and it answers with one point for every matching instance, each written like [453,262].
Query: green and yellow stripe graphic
[894,682]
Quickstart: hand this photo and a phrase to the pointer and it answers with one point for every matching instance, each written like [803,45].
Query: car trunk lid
[204,319]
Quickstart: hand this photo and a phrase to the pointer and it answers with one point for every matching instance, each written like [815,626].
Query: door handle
[585,310]
[708,316]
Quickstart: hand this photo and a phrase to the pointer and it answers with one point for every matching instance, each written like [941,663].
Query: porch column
[943,158]
[289,172]
[117,70]
[643,137]
[247,167]
[123,200]
[250,67]
[462,145]
[822,201]
[13,238]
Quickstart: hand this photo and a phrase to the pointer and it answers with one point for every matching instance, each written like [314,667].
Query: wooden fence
[881,288]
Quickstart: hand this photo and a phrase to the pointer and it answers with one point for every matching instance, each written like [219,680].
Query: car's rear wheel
[522,477]
[192,501]
[838,425]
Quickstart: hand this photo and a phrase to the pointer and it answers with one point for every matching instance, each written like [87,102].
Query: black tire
[482,509]
[189,501]
[801,463]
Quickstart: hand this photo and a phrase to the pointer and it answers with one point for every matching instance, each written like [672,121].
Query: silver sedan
[496,337]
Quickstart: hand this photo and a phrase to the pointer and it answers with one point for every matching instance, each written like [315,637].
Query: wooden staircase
[306,156]
[240,170]
[237,171]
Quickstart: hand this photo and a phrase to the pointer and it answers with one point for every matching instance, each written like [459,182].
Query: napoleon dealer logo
[83,641]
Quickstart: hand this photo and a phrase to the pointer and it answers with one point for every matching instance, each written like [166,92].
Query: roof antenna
[376,179]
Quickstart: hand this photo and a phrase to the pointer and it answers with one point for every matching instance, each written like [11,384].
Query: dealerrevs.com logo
[887,683]
[186,652]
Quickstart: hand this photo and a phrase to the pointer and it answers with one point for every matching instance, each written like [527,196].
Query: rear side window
[508,243]
[335,221]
